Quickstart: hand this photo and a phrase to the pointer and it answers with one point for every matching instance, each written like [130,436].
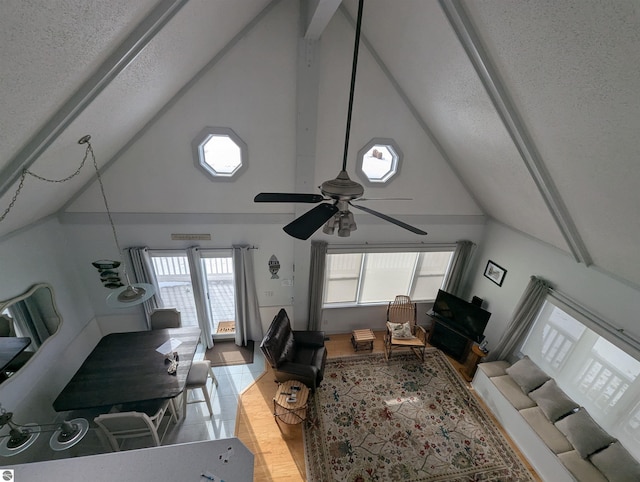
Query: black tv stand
[445,336]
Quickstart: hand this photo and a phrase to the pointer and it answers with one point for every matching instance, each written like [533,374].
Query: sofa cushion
[584,433]
[582,469]
[512,392]
[494,368]
[548,432]
[527,374]
[617,464]
[552,400]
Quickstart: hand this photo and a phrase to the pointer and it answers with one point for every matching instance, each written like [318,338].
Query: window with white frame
[220,153]
[592,370]
[357,278]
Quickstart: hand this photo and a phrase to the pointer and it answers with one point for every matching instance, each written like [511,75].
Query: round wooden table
[291,412]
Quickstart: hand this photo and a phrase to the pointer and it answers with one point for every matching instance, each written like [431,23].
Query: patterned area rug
[373,420]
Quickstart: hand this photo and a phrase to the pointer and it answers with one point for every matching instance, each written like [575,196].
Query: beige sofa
[558,437]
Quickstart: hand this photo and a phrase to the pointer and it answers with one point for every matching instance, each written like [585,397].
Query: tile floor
[196,426]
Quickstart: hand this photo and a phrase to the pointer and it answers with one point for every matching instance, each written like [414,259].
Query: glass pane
[379,163]
[343,265]
[426,288]
[386,275]
[222,154]
[221,291]
[176,291]
[434,263]
[341,291]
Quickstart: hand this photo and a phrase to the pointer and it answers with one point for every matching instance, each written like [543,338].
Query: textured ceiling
[569,70]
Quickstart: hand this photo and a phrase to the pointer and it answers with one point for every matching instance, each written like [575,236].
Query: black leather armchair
[293,354]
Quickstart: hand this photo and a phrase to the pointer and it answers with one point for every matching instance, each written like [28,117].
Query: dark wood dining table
[10,348]
[127,368]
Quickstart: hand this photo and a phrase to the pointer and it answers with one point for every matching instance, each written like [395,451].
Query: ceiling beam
[463,27]
[319,13]
[124,54]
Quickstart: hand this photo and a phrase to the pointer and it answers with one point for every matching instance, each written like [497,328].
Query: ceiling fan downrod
[354,68]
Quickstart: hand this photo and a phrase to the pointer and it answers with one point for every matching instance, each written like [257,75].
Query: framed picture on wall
[495,273]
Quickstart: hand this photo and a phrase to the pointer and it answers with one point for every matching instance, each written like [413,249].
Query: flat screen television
[463,316]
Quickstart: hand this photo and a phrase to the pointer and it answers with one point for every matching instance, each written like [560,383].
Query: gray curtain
[523,316]
[143,272]
[455,275]
[200,296]
[316,283]
[248,322]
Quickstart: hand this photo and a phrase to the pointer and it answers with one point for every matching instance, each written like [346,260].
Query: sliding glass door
[174,278]
[177,281]
[217,270]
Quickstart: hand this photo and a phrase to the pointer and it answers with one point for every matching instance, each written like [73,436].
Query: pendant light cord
[353,85]
[89,150]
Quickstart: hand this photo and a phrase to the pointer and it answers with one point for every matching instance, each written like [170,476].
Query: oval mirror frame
[42,296]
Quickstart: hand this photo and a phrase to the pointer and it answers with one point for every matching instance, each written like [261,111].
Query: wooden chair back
[401,310]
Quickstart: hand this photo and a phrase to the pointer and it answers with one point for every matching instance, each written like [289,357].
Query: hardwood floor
[277,447]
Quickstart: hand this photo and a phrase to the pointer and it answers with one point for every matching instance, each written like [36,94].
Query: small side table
[470,366]
[362,339]
[294,412]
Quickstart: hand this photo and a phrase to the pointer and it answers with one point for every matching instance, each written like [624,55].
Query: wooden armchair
[412,336]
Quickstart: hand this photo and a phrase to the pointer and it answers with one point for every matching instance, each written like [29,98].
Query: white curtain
[248,322]
[455,275]
[200,295]
[316,283]
[143,272]
[523,317]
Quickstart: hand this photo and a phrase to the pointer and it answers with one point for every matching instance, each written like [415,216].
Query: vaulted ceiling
[533,105]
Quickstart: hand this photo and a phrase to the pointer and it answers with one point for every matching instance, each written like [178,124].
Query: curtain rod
[617,332]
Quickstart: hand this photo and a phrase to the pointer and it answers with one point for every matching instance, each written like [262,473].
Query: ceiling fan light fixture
[346,224]
[330,226]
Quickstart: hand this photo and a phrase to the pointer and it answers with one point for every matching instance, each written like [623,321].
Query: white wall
[523,257]
[41,255]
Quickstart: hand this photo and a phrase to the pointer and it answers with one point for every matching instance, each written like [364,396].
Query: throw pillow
[527,374]
[617,464]
[552,401]
[401,331]
[584,433]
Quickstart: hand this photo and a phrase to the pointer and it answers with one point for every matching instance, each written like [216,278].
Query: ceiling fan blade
[309,222]
[282,197]
[390,219]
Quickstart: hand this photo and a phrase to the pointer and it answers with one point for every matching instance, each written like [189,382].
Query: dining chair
[162,318]
[144,421]
[198,375]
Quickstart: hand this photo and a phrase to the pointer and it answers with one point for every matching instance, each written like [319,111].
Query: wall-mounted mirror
[26,322]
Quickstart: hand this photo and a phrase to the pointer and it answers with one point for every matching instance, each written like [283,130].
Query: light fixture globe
[130,295]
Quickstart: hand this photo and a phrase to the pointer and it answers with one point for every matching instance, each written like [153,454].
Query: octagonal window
[379,161]
[220,153]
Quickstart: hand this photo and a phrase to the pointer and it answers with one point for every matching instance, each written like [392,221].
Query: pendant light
[130,294]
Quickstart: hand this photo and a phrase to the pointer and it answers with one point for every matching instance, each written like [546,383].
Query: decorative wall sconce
[274,266]
[21,437]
